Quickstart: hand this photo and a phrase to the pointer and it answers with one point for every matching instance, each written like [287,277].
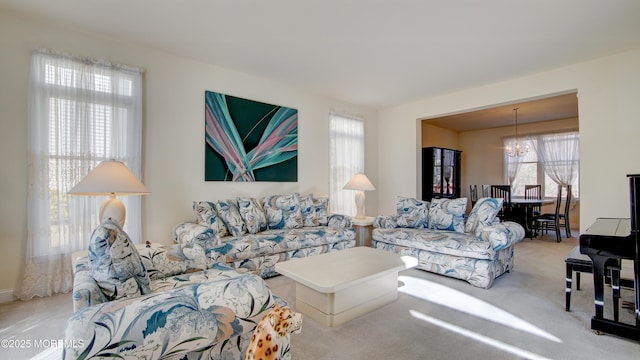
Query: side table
[364,228]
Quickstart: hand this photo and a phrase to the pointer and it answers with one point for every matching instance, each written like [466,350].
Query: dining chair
[473,194]
[555,221]
[533,192]
[485,190]
[504,192]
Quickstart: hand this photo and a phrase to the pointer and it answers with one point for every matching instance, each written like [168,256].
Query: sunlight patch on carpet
[49,354]
[457,300]
[481,338]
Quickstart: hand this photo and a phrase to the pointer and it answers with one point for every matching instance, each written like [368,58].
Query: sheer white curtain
[81,111]
[560,155]
[511,163]
[346,157]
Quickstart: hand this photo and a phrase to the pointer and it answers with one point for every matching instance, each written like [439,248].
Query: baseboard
[6,296]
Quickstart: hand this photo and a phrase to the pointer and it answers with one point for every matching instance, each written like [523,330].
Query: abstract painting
[246,140]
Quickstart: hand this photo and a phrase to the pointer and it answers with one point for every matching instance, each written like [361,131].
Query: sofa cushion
[437,241]
[206,215]
[115,264]
[253,214]
[228,211]
[447,214]
[483,214]
[216,272]
[164,261]
[283,211]
[322,210]
[309,212]
[278,241]
[412,213]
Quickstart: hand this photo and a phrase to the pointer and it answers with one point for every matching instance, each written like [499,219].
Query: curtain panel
[560,155]
[346,158]
[81,112]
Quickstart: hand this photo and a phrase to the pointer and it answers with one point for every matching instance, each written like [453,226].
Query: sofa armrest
[198,319]
[385,222]
[86,291]
[501,235]
[340,221]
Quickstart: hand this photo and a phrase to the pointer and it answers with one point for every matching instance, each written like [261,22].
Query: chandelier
[516,149]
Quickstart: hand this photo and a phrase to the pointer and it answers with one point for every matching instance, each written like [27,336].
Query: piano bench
[578,262]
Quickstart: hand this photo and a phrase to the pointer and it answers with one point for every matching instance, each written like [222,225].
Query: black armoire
[440,173]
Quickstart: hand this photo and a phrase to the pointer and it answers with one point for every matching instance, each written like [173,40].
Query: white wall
[173,136]
[608,92]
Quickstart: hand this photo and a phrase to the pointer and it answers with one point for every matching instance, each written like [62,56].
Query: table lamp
[361,183]
[110,178]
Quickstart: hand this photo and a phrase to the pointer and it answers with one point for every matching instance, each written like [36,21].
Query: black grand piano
[607,241]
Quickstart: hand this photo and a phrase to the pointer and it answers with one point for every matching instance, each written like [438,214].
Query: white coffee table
[336,287]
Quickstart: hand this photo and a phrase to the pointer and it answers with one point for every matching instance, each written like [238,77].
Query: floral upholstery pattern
[322,210]
[228,211]
[285,237]
[253,215]
[501,235]
[385,222]
[115,264]
[308,209]
[477,256]
[283,211]
[447,214]
[206,215]
[477,272]
[164,261]
[412,213]
[213,319]
[483,214]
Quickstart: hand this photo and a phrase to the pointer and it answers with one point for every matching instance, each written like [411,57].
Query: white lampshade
[110,178]
[361,183]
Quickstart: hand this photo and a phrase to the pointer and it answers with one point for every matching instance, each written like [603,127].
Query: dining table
[523,211]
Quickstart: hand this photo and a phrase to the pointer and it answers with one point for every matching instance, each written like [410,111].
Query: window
[559,162]
[81,112]
[346,158]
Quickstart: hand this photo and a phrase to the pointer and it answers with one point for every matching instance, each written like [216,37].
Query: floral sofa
[253,235]
[477,250]
[160,302]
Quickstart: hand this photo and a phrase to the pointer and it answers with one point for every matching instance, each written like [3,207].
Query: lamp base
[360,204]
[113,208]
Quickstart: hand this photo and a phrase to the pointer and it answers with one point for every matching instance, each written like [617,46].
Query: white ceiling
[370,52]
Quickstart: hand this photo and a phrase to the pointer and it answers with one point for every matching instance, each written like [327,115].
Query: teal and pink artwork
[246,140]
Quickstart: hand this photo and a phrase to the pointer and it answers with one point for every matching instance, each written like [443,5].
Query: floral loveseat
[253,235]
[478,250]
[161,302]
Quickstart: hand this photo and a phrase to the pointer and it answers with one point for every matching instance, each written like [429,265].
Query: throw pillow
[322,210]
[283,211]
[385,222]
[206,215]
[483,214]
[309,213]
[447,214]
[412,213]
[229,213]
[253,215]
[114,262]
